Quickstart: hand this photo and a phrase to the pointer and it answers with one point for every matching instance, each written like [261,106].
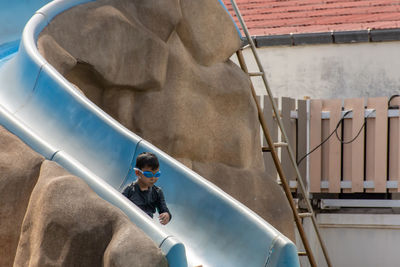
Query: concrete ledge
[273,40]
[359,203]
[385,35]
[341,37]
[351,37]
[312,38]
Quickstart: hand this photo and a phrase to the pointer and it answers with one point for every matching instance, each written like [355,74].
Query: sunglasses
[149,174]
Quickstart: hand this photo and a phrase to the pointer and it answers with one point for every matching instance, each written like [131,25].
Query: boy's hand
[164,218]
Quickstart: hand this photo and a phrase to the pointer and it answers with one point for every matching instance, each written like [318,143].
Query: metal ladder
[273,146]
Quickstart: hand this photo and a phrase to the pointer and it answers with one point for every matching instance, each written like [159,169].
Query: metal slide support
[285,139]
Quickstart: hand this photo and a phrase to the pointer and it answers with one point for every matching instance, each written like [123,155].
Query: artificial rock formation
[162,69]
[50,218]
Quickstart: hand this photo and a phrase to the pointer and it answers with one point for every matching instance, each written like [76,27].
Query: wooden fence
[294,117]
[368,164]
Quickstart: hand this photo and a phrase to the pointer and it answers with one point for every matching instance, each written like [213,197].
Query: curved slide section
[208,228]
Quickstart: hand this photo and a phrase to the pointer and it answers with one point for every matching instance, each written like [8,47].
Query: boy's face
[147,181]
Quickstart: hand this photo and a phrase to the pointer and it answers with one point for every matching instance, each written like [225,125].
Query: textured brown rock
[50,218]
[160,17]
[207,31]
[55,54]
[201,112]
[19,170]
[123,42]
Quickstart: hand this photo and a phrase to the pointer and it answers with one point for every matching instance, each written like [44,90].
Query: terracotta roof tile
[275,17]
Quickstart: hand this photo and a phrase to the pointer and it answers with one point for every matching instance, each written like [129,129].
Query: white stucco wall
[330,70]
[356,240]
[340,71]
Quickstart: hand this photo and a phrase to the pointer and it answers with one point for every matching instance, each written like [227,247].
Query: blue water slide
[47,112]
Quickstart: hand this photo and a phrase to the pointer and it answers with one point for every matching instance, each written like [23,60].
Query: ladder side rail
[275,108]
[276,111]
[279,167]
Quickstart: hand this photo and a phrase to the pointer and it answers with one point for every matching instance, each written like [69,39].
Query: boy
[143,192]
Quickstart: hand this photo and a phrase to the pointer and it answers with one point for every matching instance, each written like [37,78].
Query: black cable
[337,127]
[352,140]
[388,132]
[391,98]
[330,135]
[362,127]
[315,148]
[337,135]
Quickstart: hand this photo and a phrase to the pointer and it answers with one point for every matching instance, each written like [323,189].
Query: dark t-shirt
[148,200]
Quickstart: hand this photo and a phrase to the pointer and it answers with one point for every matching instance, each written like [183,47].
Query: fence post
[394,147]
[315,140]
[353,153]
[288,104]
[302,138]
[376,145]
[331,150]
[273,130]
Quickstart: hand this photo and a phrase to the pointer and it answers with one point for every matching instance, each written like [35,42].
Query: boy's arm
[162,205]
[127,191]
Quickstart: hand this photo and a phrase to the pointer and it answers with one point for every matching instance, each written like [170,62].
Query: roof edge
[333,37]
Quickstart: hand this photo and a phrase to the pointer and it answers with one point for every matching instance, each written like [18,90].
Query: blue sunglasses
[149,174]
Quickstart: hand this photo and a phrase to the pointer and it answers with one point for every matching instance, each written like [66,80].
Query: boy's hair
[147,159]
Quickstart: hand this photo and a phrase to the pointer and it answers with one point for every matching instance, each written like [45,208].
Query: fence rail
[362,153]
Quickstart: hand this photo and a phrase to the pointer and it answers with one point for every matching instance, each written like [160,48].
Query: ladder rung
[267,149]
[256,73]
[306,214]
[302,253]
[244,47]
